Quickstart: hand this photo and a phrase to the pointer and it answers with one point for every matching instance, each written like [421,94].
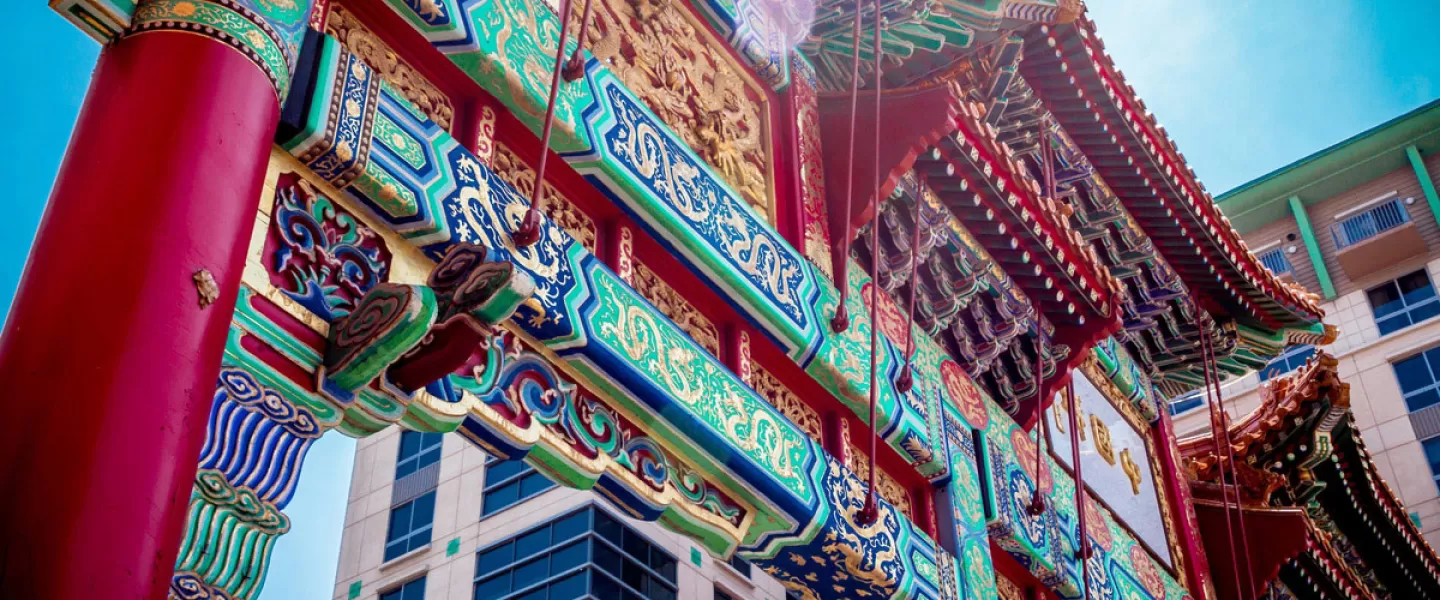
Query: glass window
[740,565]
[412,590]
[1293,358]
[1403,302]
[1186,403]
[417,451]
[721,595]
[1432,453]
[568,558]
[508,482]
[1418,379]
[410,525]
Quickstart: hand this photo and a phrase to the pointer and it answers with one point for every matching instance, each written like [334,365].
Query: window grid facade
[510,482]
[1419,378]
[1403,302]
[410,526]
[583,554]
[417,451]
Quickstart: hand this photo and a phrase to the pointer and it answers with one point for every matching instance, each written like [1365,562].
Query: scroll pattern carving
[558,208]
[345,27]
[773,391]
[669,60]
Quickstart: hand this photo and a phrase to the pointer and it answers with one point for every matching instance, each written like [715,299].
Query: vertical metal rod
[841,320]
[529,231]
[575,68]
[870,512]
[1234,478]
[1217,425]
[1083,552]
[1037,499]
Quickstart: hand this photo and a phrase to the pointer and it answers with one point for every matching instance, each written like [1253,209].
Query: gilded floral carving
[686,78]
[889,489]
[773,391]
[677,308]
[345,27]
[1008,590]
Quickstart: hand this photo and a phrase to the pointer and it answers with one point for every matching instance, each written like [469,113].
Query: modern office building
[1359,224]
[431,516]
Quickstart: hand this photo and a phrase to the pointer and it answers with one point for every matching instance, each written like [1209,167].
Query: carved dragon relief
[668,59]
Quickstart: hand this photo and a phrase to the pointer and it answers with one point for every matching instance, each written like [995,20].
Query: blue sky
[1244,87]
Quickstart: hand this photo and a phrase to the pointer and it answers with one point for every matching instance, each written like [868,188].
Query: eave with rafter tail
[922,38]
[1311,497]
[1078,83]
[957,159]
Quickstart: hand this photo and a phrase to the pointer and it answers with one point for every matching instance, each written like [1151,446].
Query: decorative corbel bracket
[402,337]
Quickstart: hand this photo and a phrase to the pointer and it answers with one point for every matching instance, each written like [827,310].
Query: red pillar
[1177,487]
[109,356]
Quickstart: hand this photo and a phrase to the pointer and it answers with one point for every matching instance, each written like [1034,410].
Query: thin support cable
[575,67]
[841,321]
[1084,551]
[1037,499]
[906,381]
[1216,425]
[1234,466]
[871,511]
[529,231]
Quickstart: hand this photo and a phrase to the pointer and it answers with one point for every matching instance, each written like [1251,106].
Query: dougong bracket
[404,337]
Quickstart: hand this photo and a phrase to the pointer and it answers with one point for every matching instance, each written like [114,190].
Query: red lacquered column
[1177,486]
[110,353]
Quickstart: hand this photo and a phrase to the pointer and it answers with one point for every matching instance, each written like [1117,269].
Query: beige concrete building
[432,517]
[1359,223]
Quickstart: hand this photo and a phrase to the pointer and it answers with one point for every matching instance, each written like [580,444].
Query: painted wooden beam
[1426,184]
[1312,247]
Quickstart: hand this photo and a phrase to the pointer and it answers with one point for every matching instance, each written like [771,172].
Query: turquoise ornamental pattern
[614,342]
[601,331]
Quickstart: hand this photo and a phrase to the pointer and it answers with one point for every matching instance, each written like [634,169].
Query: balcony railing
[1276,261]
[1370,223]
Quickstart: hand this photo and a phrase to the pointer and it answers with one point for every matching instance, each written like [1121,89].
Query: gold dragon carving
[847,545]
[668,59]
[344,26]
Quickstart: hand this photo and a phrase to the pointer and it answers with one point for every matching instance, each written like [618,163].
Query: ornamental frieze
[517,172]
[773,391]
[344,26]
[685,77]
[318,253]
[672,305]
[885,484]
